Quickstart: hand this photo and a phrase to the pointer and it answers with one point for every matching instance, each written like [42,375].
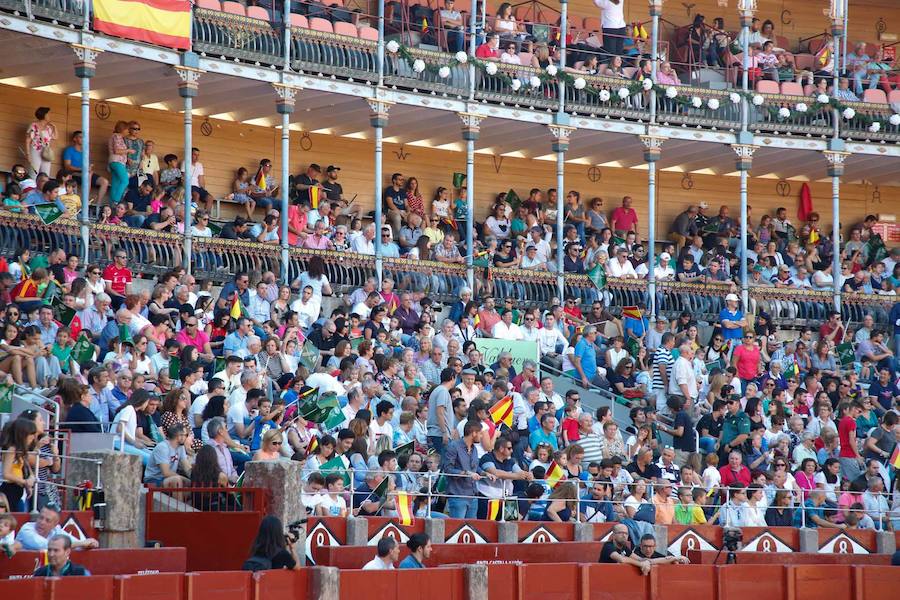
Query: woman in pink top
[746,360]
[806,477]
[271,446]
[117,156]
[41,134]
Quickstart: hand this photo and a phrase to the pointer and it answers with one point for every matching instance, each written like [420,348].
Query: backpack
[257,563]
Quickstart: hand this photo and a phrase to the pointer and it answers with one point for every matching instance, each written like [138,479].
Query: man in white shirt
[242,401]
[683,381]
[387,553]
[538,241]
[548,394]
[307,308]
[621,266]
[365,243]
[364,308]
[505,329]
[258,307]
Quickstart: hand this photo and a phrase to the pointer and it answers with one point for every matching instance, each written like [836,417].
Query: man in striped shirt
[662,370]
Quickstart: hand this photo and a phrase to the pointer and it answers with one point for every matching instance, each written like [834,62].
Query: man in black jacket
[59,548]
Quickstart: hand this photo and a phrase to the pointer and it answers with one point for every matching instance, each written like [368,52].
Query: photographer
[272,548]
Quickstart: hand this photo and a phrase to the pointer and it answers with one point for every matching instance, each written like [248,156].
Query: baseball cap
[332,168]
[732,298]
[665,256]
[704,205]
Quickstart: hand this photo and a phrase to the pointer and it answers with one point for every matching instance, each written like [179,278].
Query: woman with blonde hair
[271,446]
[561,505]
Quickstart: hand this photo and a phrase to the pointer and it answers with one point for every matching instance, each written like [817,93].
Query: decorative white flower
[696,101]
[580,84]
[647,84]
[623,93]
[490,68]
[875,127]
[758,100]
[444,72]
[515,84]
[784,112]
[604,95]
[552,70]
[671,92]
[894,120]
[392,46]
[535,81]
[849,113]
[822,99]
[462,57]
[418,65]
[713,103]
[734,97]
[801,107]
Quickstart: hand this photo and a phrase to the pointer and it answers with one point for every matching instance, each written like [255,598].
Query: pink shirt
[746,361]
[199,341]
[317,242]
[624,218]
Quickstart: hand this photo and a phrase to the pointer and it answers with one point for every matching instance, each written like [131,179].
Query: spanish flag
[314,197]
[502,412]
[554,475]
[632,312]
[237,310]
[494,509]
[895,457]
[405,508]
[424,25]
[313,444]
[813,236]
[160,22]
[260,180]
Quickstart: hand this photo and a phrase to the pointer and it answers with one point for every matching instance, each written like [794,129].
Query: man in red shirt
[849,457]
[27,293]
[624,218]
[734,471]
[490,48]
[117,277]
[832,330]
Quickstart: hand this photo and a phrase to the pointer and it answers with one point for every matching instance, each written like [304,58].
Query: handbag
[646,513]
[47,153]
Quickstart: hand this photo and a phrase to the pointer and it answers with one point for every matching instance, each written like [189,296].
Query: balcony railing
[218,259]
[242,38]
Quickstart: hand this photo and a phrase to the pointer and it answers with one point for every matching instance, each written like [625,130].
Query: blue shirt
[636,326]
[811,511]
[75,157]
[234,345]
[731,334]
[542,437]
[410,562]
[587,354]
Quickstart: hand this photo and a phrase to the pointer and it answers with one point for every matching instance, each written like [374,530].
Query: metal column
[85,68]
[378,119]
[836,155]
[285,107]
[652,151]
[561,132]
[744,147]
[189,73]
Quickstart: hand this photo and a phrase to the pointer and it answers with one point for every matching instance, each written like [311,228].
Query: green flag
[310,356]
[83,350]
[845,354]
[440,486]
[356,341]
[220,365]
[336,465]
[598,275]
[405,449]
[792,371]
[52,295]
[459,179]
[66,314]
[379,494]
[616,241]
[48,212]
[174,368]
[716,364]
[215,229]
[512,198]
[875,249]
[125,334]
[633,346]
[6,396]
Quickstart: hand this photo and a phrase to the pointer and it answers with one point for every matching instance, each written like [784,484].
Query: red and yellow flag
[405,508]
[314,197]
[494,509]
[237,310]
[895,457]
[313,444]
[160,22]
[554,475]
[502,412]
[260,180]
[632,312]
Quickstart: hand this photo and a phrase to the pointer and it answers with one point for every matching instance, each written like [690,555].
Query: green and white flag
[459,180]
[336,465]
[174,368]
[845,354]
[6,397]
[48,212]
[310,356]
[598,276]
[83,350]
[512,198]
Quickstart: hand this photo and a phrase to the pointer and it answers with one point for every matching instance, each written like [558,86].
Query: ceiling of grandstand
[152,86]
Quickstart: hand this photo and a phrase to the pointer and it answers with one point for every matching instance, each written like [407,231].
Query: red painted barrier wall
[794,558]
[677,582]
[759,582]
[550,581]
[104,561]
[834,582]
[503,582]
[613,582]
[228,585]
[354,557]
[273,585]
[99,587]
[22,589]
[196,531]
[160,586]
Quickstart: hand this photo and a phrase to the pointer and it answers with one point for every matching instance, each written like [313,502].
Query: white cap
[732,298]
[704,205]
[665,256]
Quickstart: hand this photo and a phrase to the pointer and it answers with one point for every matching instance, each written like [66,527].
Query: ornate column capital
[561,135]
[286,97]
[471,125]
[190,78]
[85,60]
[745,154]
[652,146]
[835,162]
[380,109]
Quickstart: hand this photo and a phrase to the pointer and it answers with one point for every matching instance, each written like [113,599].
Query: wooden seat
[209,4]
[348,29]
[368,33]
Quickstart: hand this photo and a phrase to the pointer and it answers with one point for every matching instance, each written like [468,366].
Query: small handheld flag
[405,508]
[314,197]
[312,446]
[895,457]
[260,180]
[597,275]
[237,309]
[631,312]
[502,412]
[48,212]
[495,509]
[554,475]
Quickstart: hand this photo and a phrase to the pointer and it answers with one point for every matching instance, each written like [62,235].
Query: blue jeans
[462,508]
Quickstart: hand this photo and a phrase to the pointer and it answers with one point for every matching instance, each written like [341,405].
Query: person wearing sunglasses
[270,450]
